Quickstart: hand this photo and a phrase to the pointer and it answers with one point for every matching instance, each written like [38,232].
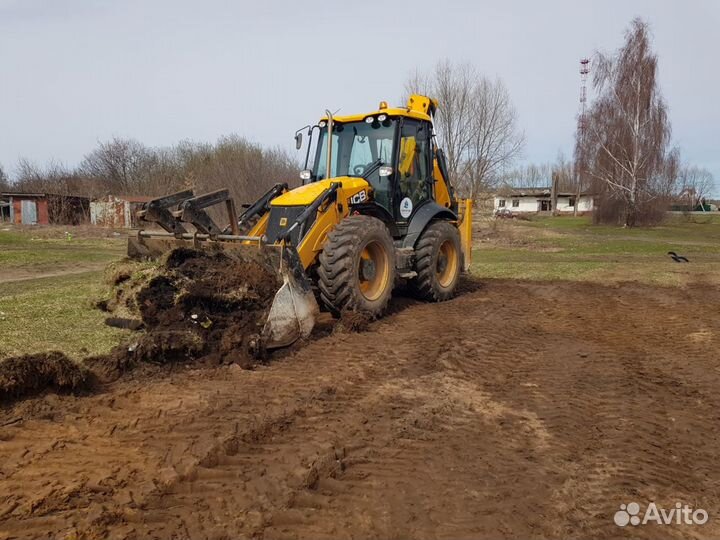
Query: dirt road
[24,274]
[516,410]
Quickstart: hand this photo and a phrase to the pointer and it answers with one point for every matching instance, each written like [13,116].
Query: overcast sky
[73,72]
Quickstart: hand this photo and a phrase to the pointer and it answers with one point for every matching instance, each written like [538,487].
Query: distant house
[533,200]
[116,211]
[43,208]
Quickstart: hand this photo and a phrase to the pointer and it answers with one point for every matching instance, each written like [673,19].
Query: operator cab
[392,149]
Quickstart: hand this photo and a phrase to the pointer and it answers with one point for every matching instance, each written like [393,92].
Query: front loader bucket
[185,223]
[293,310]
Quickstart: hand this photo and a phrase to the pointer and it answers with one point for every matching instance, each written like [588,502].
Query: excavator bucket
[294,309]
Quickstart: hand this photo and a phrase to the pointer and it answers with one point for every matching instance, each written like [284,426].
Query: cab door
[414,169]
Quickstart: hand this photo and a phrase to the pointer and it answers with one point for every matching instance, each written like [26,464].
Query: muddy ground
[517,410]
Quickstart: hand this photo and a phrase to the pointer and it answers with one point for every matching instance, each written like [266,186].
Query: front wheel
[357,266]
[438,261]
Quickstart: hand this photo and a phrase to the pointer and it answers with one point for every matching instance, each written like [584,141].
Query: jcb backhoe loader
[375,207]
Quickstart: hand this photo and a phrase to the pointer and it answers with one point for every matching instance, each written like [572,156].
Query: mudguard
[422,217]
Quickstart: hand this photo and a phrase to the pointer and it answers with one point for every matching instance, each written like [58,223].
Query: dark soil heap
[200,305]
[193,306]
[26,375]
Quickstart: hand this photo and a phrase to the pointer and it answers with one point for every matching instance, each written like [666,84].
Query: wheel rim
[447,263]
[373,270]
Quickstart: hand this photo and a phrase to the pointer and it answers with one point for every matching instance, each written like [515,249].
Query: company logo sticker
[406,207]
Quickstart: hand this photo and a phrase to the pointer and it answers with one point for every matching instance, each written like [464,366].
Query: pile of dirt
[125,279]
[23,376]
[194,305]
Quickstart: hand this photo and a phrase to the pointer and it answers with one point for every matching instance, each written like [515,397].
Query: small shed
[116,211]
[44,208]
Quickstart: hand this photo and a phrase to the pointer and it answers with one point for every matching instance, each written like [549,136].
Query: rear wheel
[438,261]
[357,266]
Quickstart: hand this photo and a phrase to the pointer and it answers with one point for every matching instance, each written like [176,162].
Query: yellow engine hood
[304,195]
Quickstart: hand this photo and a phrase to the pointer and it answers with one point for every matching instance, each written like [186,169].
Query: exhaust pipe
[329,144]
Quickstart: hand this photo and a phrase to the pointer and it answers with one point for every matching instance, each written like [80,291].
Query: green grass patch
[676,228]
[21,250]
[569,248]
[55,313]
[535,270]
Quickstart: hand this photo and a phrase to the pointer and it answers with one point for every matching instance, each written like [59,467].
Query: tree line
[128,167]
[623,153]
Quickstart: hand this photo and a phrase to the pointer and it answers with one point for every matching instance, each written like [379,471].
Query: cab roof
[418,107]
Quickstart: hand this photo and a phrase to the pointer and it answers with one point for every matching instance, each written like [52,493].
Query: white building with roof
[534,200]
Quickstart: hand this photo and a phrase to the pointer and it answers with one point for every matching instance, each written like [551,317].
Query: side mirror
[298,141]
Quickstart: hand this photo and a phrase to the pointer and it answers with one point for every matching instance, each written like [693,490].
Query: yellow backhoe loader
[375,207]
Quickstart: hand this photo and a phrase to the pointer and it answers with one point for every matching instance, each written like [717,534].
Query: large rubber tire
[357,266]
[438,261]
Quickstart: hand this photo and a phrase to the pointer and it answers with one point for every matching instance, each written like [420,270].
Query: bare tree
[476,124]
[31,177]
[245,168]
[564,169]
[123,164]
[453,86]
[695,184]
[625,150]
[582,181]
[528,176]
[495,141]
[127,167]
[4,180]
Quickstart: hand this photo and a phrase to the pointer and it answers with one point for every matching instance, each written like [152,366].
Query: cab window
[360,154]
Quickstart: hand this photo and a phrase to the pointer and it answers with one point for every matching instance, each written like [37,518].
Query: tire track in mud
[299,463]
[408,407]
[520,410]
[613,391]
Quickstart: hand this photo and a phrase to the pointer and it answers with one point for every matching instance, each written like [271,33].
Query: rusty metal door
[29,212]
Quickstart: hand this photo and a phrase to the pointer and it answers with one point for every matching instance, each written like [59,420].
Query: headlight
[322,124]
[382,117]
[369,120]
[306,174]
[385,171]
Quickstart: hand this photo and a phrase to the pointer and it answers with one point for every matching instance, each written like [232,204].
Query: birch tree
[626,147]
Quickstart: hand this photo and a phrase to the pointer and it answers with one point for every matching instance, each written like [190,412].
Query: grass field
[27,252]
[568,248]
[48,284]
[50,281]
[55,313]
